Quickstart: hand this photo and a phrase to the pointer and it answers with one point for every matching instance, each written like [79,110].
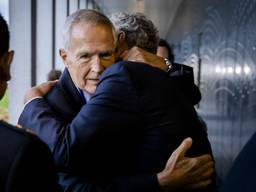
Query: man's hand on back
[39,90]
[186,173]
[137,54]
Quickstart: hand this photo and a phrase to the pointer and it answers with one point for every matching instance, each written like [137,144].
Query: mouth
[94,81]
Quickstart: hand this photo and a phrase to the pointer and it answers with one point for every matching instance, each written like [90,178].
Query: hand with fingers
[39,90]
[137,54]
[184,173]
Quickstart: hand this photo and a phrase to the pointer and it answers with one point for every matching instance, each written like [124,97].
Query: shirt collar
[84,94]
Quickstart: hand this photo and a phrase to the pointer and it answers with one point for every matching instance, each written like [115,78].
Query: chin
[92,91]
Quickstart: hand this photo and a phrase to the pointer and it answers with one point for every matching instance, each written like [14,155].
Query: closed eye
[105,55]
[84,56]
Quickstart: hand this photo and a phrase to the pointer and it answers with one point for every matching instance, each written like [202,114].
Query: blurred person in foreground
[26,163]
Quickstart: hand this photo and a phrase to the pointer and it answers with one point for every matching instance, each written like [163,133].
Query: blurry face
[162,52]
[5,62]
[91,50]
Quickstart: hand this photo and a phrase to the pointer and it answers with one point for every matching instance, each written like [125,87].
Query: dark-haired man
[26,163]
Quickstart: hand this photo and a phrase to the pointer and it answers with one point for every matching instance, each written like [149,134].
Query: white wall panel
[44,39]
[20,27]
[61,14]
[82,4]
[73,6]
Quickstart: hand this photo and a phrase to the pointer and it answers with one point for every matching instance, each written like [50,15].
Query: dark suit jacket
[182,76]
[133,122]
[242,174]
[25,162]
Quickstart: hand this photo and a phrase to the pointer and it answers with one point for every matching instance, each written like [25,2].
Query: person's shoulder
[116,68]
[118,71]
[133,70]
[134,67]
[59,89]
[12,129]
[180,65]
[181,68]
[19,135]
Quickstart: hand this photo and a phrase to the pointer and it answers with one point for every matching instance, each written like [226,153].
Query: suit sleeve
[111,111]
[183,77]
[106,117]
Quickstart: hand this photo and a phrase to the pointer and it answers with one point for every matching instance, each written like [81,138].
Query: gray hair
[86,16]
[139,30]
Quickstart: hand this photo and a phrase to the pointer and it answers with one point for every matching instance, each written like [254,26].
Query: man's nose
[96,65]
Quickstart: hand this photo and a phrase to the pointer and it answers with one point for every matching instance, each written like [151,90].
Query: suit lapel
[65,98]
[70,90]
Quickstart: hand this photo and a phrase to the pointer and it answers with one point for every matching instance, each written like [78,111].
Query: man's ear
[64,56]
[121,43]
[121,37]
[10,56]
[5,62]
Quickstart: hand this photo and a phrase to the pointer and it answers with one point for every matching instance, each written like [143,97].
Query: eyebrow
[96,52]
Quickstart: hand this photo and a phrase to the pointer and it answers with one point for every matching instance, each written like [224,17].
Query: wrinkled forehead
[93,31]
[91,37]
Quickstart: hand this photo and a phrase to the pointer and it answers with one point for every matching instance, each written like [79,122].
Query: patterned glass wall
[218,38]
